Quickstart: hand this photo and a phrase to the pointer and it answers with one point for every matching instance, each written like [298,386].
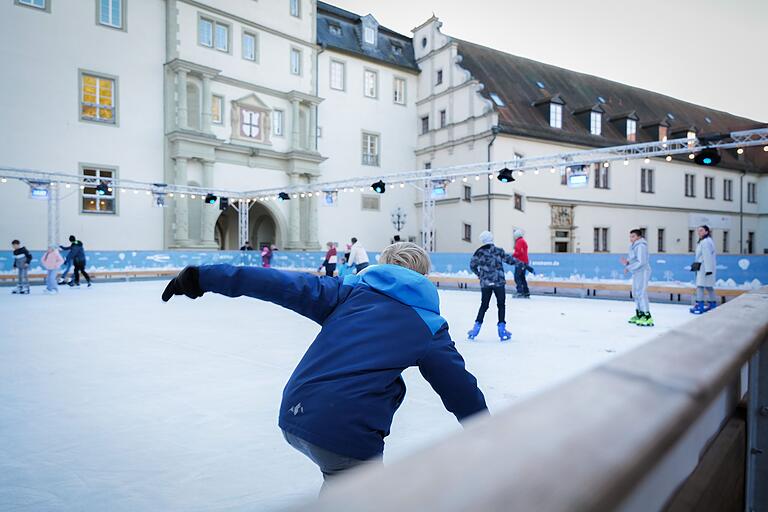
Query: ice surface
[113,400]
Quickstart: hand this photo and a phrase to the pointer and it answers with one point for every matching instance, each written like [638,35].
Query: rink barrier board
[733,271]
[625,435]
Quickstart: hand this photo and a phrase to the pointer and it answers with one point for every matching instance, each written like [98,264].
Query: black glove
[707,273]
[529,269]
[186,283]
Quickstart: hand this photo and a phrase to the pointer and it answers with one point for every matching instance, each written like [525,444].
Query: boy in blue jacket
[338,405]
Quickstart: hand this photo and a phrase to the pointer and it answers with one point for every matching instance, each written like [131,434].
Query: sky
[705,51]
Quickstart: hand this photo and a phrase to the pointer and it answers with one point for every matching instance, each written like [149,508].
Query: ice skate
[711,305]
[504,334]
[698,309]
[645,320]
[635,318]
[472,333]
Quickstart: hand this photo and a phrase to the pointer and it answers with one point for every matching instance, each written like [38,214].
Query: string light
[536,172]
[740,151]
[453,180]
[626,161]
[148,193]
[490,176]
[82,187]
[477,177]
[668,158]
[552,170]
[464,179]
[302,195]
[691,156]
[135,191]
[192,196]
[6,181]
[402,185]
[67,185]
[647,160]
[170,195]
[765,148]
[123,190]
[183,196]
[606,164]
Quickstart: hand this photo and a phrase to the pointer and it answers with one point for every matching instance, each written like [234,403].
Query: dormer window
[335,29]
[595,123]
[369,35]
[498,101]
[397,48]
[370,30]
[555,115]
[631,130]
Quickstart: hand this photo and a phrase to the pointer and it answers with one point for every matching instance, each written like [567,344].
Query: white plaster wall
[40,126]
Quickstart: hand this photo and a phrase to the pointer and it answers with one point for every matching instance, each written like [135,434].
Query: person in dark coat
[488,264]
[338,405]
[247,246]
[21,260]
[77,253]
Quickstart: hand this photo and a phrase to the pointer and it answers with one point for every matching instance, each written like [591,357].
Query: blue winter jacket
[344,392]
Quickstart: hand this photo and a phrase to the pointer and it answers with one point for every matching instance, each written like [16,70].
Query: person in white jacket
[358,257]
[637,263]
[705,266]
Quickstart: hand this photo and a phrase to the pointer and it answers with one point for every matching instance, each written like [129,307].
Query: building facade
[226,94]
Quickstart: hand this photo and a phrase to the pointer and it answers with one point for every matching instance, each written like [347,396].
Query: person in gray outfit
[488,264]
[21,259]
[705,266]
[637,263]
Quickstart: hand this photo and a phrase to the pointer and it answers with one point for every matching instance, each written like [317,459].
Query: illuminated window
[101,200]
[97,98]
[631,130]
[217,105]
[595,123]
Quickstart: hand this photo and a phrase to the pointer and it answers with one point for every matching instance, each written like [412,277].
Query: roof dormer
[370,33]
[591,117]
[657,130]
[552,109]
[626,123]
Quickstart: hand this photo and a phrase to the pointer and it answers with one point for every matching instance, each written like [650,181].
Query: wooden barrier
[585,445]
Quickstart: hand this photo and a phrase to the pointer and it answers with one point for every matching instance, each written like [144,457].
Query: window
[371,203]
[709,187]
[370,83]
[369,35]
[691,241]
[397,48]
[370,149]
[334,28]
[725,241]
[250,124]
[92,200]
[295,8]
[277,123]
[443,121]
[727,190]
[213,34]
[111,13]
[518,202]
[646,181]
[467,193]
[601,239]
[295,61]
[601,175]
[466,232]
[250,47]
[427,165]
[631,130]
[97,98]
[424,124]
[751,192]
[690,185]
[217,107]
[750,242]
[660,247]
[555,115]
[439,78]
[399,91]
[338,75]
[43,5]
[423,42]
[563,177]
[663,133]
[595,123]
[498,101]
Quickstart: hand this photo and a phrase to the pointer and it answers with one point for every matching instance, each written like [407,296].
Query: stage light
[505,176]
[102,189]
[707,157]
[282,196]
[210,199]
[379,187]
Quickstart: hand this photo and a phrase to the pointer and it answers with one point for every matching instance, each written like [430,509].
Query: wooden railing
[585,445]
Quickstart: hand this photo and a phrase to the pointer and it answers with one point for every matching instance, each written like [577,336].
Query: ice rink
[112,400]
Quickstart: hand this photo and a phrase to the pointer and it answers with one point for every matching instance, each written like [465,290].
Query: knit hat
[518,233]
[486,237]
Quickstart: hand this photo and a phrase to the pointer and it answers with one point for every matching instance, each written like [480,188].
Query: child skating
[637,263]
[338,405]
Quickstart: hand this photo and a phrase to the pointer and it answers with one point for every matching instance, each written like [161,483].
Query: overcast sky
[702,51]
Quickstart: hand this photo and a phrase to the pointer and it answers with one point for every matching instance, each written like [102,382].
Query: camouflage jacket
[488,263]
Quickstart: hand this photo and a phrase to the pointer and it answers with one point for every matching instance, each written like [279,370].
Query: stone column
[312,212]
[312,128]
[206,117]
[294,218]
[181,101]
[210,211]
[295,133]
[181,211]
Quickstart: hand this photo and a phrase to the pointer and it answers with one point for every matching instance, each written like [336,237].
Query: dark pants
[520,282]
[330,268]
[331,464]
[360,266]
[80,267]
[501,295]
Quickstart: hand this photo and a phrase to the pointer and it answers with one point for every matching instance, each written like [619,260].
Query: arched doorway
[262,227]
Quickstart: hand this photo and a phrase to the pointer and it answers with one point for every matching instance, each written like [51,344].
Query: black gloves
[186,283]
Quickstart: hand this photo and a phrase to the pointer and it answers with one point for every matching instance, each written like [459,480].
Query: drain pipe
[741,212]
[495,132]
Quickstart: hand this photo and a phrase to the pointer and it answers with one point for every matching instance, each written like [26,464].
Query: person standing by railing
[637,263]
[705,266]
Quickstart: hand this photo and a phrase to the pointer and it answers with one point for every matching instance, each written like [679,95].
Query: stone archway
[263,227]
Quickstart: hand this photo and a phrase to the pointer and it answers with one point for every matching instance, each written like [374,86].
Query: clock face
[250,124]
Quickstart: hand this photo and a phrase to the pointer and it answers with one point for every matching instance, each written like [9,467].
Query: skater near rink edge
[705,266]
[338,405]
[21,260]
[637,263]
[488,264]
[521,255]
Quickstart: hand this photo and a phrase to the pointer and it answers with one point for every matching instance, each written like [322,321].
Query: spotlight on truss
[708,157]
[379,187]
[505,176]
[210,199]
[282,196]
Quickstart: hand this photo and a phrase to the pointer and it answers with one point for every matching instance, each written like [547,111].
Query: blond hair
[408,255]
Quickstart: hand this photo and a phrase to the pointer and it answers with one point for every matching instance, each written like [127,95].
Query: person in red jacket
[330,260]
[521,255]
